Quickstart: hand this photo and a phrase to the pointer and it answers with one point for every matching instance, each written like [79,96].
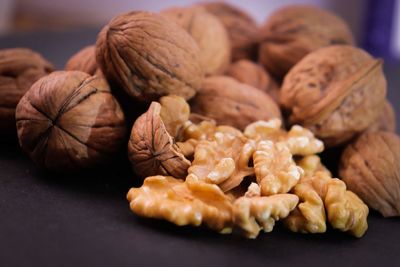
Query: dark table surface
[84,220]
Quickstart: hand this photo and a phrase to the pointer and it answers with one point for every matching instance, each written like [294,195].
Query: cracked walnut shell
[187,202]
[209,34]
[370,168]
[230,102]
[69,120]
[292,32]
[84,60]
[151,148]
[19,69]
[149,56]
[336,92]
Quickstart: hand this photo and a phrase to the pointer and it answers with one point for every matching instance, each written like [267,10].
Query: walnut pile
[19,69]
[84,60]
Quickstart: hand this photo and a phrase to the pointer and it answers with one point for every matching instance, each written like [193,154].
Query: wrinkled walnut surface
[208,32]
[336,92]
[69,120]
[386,120]
[232,103]
[19,69]
[292,32]
[84,60]
[241,27]
[370,168]
[149,56]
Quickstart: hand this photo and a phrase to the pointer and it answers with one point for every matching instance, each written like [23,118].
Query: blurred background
[375,23]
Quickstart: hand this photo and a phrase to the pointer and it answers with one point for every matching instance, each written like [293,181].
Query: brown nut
[336,92]
[241,27]
[208,32]
[386,121]
[69,120]
[370,168]
[292,32]
[149,56]
[84,60]
[19,69]
[232,103]
[151,148]
[248,72]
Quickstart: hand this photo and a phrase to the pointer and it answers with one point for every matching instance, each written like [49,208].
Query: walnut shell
[242,29]
[370,168]
[292,32]
[248,72]
[69,120]
[336,92]
[84,60]
[208,32]
[386,120]
[230,102]
[149,56]
[19,69]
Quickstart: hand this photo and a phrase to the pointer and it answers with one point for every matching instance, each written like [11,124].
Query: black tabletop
[84,220]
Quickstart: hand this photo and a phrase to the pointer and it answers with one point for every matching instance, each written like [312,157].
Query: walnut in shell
[336,92]
[19,69]
[69,120]
[149,56]
[84,60]
[208,32]
[386,120]
[248,72]
[292,32]
[151,148]
[370,168]
[232,103]
[241,27]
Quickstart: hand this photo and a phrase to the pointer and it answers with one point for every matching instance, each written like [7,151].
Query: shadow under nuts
[19,69]
[230,102]
[69,121]
[209,34]
[292,32]
[370,168]
[149,56]
[336,92]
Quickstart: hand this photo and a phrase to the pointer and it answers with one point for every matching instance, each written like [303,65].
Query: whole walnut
[84,60]
[370,168]
[336,92]
[386,120]
[248,72]
[19,69]
[230,102]
[208,32]
[241,27]
[149,56]
[292,32]
[69,120]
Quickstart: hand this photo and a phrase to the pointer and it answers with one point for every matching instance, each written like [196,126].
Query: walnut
[241,27]
[292,32]
[370,168]
[248,72]
[336,92]
[182,203]
[208,32]
[312,164]
[84,60]
[69,120]
[253,214]
[299,140]
[149,56]
[224,160]
[19,69]
[233,103]
[386,120]
[151,148]
[275,169]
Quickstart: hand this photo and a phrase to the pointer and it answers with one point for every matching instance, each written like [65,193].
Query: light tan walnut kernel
[182,203]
